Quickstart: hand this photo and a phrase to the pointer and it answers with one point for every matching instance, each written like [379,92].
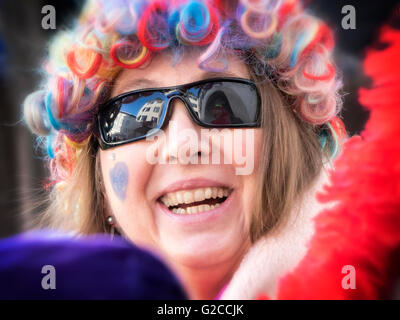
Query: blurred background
[23,45]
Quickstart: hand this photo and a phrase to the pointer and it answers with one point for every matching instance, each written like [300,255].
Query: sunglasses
[211,103]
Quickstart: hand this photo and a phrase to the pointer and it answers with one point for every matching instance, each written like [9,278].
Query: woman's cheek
[251,147]
[125,171]
[246,151]
[129,175]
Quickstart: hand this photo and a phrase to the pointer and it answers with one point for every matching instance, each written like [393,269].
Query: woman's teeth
[195,209]
[196,200]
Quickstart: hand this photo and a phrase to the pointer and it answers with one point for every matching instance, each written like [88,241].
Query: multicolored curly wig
[278,38]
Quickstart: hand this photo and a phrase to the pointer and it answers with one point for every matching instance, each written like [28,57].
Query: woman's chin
[201,251]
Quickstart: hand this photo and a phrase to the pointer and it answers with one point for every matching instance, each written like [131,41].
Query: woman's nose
[180,115]
[183,143]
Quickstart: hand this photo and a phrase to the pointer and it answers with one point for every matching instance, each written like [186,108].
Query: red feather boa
[363,229]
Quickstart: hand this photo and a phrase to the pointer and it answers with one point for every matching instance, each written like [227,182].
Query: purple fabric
[92,267]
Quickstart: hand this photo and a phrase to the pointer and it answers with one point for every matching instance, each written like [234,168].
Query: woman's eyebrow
[211,74]
[138,84]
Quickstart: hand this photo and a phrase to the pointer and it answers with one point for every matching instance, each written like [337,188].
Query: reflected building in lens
[125,123]
[151,111]
[149,114]
[195,103]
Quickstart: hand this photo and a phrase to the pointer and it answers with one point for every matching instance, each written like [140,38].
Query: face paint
[119,179]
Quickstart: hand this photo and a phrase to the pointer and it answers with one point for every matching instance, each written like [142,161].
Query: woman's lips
[190,184]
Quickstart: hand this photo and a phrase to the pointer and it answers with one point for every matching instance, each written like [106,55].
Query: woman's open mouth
[195,200]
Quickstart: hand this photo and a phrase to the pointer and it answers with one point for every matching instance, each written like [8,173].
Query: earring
[111,223]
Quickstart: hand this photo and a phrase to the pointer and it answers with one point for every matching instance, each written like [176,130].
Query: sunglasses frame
[180,92]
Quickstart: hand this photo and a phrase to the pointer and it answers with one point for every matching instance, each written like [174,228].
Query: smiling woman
[208,87]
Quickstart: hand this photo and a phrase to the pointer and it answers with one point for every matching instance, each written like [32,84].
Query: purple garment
[91,267]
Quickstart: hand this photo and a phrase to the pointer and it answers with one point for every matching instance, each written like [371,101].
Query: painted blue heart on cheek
[119,176]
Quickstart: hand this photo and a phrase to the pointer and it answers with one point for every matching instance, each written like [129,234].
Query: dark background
[23,45]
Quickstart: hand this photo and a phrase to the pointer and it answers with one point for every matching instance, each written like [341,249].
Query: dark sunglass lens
[132,116]
[228,103]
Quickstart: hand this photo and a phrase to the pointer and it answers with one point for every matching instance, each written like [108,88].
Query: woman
[149,108]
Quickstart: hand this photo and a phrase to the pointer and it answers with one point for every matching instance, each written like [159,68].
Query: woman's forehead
[162,72]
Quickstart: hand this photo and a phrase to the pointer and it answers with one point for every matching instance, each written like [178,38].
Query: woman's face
[196,214]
